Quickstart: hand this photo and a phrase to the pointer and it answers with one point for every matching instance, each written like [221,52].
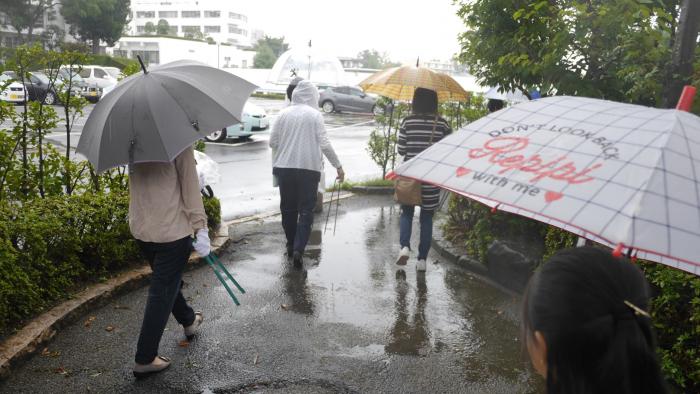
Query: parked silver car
[347,98]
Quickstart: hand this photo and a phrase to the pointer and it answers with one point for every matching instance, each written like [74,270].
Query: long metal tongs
[217,266]
[330,207]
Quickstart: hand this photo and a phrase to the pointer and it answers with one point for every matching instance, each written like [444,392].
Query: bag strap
[433,132]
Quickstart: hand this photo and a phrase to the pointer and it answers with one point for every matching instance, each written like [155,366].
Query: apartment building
[220,20]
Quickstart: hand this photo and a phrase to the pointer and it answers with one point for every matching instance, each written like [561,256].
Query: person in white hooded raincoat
[297,140]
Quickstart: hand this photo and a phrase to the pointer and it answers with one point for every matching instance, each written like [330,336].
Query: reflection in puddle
[409,333]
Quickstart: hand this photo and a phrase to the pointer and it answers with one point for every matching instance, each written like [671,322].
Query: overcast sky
[405,29]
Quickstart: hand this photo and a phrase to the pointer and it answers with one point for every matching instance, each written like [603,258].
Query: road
[349,321]
[245,166]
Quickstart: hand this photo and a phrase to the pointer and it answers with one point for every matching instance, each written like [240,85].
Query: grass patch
[272,96]
[377,182]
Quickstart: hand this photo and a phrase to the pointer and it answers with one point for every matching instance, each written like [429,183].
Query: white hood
[305,93]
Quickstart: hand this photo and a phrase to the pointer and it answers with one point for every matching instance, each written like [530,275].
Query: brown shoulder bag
[408,191]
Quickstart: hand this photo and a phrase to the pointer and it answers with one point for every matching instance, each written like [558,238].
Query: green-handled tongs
[216,265]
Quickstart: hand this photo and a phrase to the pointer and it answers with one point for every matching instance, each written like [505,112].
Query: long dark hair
[425,101]
[596,342]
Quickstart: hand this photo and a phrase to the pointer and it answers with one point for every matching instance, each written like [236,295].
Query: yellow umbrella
[399,83]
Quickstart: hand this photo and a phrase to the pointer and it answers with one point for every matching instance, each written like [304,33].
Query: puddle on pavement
[350,278]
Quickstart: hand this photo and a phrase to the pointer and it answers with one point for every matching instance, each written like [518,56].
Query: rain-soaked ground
[350,321]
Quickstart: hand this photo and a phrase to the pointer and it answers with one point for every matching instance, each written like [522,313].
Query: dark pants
[298,197]
[167,260]
[426,229]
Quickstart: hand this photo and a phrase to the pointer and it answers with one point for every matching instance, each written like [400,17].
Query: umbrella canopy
[619,174]
[399,83]
[154,116]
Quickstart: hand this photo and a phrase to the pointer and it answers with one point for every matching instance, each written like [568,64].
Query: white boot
[403,256]
[421,265]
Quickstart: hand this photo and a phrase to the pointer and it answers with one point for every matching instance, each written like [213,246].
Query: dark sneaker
[297,258]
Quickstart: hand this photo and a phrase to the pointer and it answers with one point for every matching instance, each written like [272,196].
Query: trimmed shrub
[212,206]
[48,247]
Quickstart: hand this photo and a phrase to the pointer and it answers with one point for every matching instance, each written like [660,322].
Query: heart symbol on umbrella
[552,196]
[461,171]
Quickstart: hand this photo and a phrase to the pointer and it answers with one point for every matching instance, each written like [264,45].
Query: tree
[95,20]
[163,28]
[371,58]
[276,44]
[681,69]
[26,14]
[265,57]
[614,49]
[150,28]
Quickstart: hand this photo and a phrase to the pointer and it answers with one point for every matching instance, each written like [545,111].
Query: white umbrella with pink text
[623,175]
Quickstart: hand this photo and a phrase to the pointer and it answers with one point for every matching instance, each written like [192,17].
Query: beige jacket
[165,201]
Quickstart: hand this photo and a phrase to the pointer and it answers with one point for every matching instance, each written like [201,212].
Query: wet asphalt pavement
[349,321]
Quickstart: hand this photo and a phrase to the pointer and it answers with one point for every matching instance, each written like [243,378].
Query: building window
[140,29]
[172,30]
[167,14]
[212,14]
[212,29]
[121,53]
[244,64]
[191,29]
[191,14]
[236,30]
[240,17]
[232,41]
[145,14]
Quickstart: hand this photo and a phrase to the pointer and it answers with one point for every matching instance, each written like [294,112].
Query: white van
[98,78]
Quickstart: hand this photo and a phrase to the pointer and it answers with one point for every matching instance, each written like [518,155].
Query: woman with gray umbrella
[150,121]
[165,209]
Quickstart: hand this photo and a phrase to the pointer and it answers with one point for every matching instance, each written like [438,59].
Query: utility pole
[309,60]
[681,69]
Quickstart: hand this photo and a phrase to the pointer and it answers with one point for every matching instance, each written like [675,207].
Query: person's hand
[341,175]
[202,245]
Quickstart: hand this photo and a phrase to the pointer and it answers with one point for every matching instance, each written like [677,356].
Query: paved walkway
[350,321]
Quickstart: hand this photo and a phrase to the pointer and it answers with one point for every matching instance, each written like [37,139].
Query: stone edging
[445,247]
[34,335]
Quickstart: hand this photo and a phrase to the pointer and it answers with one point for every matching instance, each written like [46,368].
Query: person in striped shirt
[418,131]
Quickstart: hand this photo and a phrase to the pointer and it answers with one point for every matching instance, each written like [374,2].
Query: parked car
[13,91]
[254,120]
[97,79]
[347,98]
[75,81]
[37,87]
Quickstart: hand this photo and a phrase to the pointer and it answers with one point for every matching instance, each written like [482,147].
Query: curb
[373,189]
[41,329]
[459,257]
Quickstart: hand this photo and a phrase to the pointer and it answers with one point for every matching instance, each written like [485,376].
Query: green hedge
[50,247]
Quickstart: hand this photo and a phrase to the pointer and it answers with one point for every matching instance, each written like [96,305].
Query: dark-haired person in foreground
[586,325]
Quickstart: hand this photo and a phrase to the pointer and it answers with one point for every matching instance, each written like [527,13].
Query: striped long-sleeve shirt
[414,137]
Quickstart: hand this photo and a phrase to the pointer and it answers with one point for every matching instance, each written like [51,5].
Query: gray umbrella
[155,115]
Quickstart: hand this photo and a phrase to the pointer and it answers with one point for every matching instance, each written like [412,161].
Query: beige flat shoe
[191,330]
[159,364]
